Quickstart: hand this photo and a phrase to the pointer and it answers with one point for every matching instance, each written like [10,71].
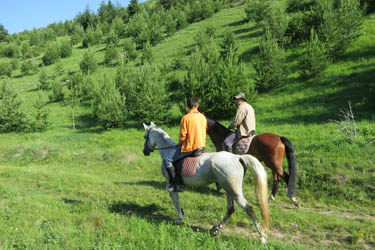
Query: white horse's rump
[223,168]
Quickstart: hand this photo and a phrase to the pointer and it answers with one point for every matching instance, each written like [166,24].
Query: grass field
[94,189]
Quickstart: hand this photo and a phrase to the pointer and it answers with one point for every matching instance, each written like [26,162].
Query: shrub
[145,92]
[314,61]
[111,54]
[270,65]
[11,50]
[26,50]
[12,117]
[41,116]
[228,44]
[57,93]
[170,24]
[130,49]
[146,56]
[65,48]
[277,23]
[256,10]
[108,104]
[91,37]
[51,54]
[44,80]
[5,69]
[300,25]
[26,67]
[88,63]
[369,6]
[299,5]
[340,26]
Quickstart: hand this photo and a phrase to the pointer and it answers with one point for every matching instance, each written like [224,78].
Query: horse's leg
[176,203]
[275,186]
[242,202]
[230,210]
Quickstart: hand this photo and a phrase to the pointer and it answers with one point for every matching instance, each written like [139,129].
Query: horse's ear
[152,125]
[145,126]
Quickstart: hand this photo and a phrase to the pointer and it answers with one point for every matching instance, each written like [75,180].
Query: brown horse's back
[267,147]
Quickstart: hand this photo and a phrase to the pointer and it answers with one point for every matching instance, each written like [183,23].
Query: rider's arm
[240,116]
[183,131]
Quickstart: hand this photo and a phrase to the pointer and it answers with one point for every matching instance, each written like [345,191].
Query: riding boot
[173,187]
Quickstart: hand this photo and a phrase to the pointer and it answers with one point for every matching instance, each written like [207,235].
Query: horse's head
[150,142]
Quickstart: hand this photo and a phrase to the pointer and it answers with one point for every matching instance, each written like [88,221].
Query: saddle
[187,166]
[242,145]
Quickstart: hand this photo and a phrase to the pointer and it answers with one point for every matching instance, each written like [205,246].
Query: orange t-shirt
[193,129]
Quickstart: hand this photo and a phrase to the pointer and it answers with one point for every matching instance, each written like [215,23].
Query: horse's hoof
[180,221]
[296,202]
[271,198]
[215,230]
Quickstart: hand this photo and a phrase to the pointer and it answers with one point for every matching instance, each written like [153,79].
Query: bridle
[155,148]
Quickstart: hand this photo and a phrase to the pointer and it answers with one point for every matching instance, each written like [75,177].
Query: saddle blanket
[190,165]
[243,145]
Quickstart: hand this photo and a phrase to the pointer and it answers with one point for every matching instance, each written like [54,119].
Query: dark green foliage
[228,44]
[112,38]
[299,5]
[118,27]
[91,37]
[276,21]
[369,6]
[14,63]
[41,116]
[256,10]
[27,67]
[301,23]
[12,117]
[340,25]
[130,50]
[86,19]
[3,33]
[270,64]
[170,24]
[65,48]
[107,12]
[26,50]
[57,93]
[109,104]
[146,54]
[5,69]
[198,10]
[214,80]
[133,7]
[10,50]
[111,54]
[45,81]
[314,60]
[51,54]
[145,92]
[88,63]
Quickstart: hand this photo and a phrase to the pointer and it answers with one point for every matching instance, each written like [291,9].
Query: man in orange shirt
[192,139]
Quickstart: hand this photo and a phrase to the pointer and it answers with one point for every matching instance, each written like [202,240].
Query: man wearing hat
[244,122]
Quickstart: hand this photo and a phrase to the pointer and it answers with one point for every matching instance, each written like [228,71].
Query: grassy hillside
[94,189]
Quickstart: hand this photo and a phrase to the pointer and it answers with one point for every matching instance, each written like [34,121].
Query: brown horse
[270,149]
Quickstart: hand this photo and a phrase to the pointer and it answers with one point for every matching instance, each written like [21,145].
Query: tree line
[211,69]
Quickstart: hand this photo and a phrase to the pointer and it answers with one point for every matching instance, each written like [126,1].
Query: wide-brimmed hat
[240,96]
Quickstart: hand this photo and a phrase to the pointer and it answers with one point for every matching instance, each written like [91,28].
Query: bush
[130,49]
[26,67]
[300,25]
[270,65]
[314,61]
[228,44]
[88,63]
[11,50]
[340,26]
[5,69]
[146,56]
[91,37]
[276,21]
[65,48]
[108,104]
[41,116]
[51,54]
[44,80]
[299,5]
[145,92]
[257,10]
[369,5]
[57,93]
[12,118]
[111,54]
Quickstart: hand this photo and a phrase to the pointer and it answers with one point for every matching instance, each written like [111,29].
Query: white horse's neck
[163,140]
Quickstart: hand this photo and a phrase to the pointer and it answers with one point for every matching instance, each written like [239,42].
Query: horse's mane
[164,135]
[215,125]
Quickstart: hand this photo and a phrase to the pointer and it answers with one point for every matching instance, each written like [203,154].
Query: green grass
[94,189]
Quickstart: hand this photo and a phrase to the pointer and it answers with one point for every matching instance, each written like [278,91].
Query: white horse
[223,168]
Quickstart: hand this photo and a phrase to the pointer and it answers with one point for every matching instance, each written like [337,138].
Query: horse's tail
[292,163]
[260,176]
